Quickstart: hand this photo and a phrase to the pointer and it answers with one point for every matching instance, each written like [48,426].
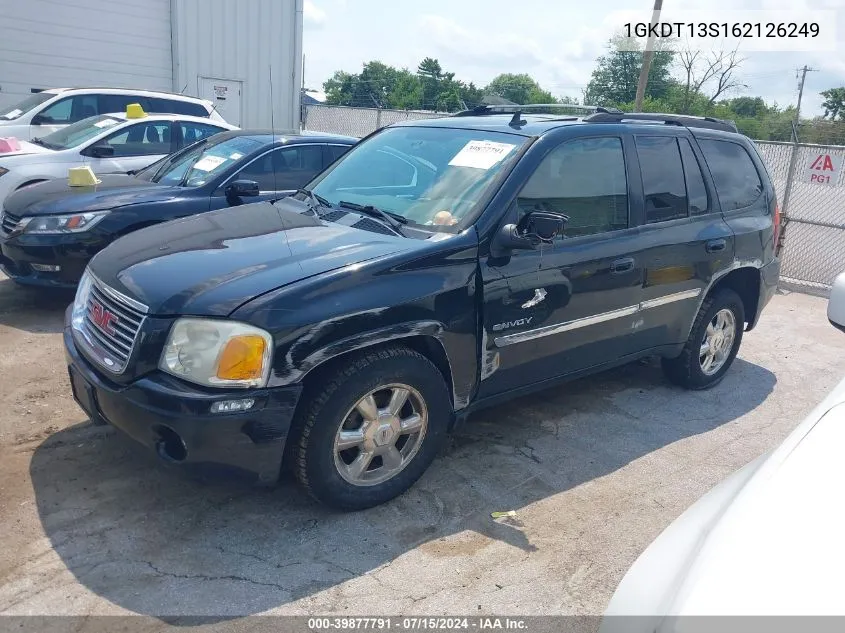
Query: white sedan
[108,143]
[767,541]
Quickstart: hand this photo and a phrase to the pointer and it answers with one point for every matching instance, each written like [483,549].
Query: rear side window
[699,201]
[663,178]
[172,106]
[738,184]
[585,179]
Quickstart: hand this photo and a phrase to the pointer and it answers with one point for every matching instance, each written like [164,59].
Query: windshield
[79,132]
[203,161]
[24,106]
[430,175]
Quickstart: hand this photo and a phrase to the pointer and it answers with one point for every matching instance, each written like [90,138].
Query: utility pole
[803,72]
[648,56]
[793,159]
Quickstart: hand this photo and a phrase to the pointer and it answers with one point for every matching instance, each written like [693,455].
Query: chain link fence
[813,251]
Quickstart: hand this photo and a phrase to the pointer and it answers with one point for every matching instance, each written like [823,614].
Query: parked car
[49,231]
[45,112]
[438,267]
[767,541]
[108,143]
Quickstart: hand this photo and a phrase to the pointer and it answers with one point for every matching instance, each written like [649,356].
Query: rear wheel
[370,428]
[712,344]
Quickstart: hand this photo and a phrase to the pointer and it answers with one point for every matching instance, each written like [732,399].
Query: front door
[572,304]
[132,148]
[225,95]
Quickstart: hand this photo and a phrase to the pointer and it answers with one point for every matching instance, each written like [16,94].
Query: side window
[738,184]
[336,151]
[585,179]
[193,132]
[114,104]
[58,112]
[175,106]
[284,169]
[699,201]
[663,178]
[141,139]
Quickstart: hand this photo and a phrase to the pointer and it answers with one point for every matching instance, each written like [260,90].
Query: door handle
[623,265]
[714,246]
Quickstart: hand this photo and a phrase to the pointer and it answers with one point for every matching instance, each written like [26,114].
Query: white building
[221,50]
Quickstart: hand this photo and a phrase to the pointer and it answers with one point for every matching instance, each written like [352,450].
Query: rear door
[686,242]
[745,193]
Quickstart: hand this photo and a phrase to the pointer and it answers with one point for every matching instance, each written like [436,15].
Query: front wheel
[370,428]
[712,345]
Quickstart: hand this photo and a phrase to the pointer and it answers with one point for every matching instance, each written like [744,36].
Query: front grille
[111,325]
[8,222]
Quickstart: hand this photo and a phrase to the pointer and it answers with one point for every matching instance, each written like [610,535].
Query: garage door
[104,43]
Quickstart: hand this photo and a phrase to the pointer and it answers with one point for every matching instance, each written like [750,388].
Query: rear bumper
[769,276]
[174,419]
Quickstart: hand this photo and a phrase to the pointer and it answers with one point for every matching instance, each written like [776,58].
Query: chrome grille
[111,325]
[8,222]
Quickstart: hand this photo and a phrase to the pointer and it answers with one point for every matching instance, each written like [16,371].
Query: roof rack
[483,110]
[707,122]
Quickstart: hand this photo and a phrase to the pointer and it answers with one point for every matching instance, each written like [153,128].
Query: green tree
[614,80]
[520,89]
[834,103]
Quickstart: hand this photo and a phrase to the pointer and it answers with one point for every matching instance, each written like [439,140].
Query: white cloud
[313,15]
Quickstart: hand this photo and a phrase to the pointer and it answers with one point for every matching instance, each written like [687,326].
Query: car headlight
[75,223]
[3,171]
[218,353]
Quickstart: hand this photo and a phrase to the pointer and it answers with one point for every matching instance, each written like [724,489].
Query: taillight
[777,229]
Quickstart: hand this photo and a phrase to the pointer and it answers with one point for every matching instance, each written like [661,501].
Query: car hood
[25,148]
[211,263]
[767,541]
[115,190]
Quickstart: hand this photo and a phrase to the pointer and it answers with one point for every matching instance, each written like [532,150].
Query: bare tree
[716,71]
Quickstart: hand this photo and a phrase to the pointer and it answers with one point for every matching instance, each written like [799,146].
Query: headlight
[218,353]
[80,302]
[3,171]
[75,223]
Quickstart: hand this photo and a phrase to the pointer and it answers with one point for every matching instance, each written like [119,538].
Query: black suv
[438,267]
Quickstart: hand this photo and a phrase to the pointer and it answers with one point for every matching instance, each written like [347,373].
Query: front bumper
[173,418]
[71,252]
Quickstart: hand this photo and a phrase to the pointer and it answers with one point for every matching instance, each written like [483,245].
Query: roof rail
[483,110]
[684,120]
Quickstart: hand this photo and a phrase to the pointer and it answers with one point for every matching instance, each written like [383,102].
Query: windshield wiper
[315,200]
[42,143]
[393,220]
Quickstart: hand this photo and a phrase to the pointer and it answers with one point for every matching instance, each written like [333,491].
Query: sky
[557,43]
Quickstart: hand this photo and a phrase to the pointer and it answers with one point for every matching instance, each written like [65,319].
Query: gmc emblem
[103,318]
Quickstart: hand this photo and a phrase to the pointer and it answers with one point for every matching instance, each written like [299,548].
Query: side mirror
[242,189]
[534,228]
[836,303]
[99,151]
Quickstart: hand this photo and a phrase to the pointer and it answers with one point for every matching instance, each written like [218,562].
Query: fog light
[46,268]
[228,406]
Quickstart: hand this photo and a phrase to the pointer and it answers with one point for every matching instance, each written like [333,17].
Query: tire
[690,369]
[327,471]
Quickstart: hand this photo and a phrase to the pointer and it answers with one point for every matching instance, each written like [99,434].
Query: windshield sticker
[235,155]
[13,114]
[481,154]
[207,163]
[105,123]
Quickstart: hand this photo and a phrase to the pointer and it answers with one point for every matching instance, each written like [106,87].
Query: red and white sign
[823,170]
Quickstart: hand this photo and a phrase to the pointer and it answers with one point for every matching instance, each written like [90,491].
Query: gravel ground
[595,469]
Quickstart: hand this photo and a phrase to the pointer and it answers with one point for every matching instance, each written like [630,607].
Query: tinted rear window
[738,184]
